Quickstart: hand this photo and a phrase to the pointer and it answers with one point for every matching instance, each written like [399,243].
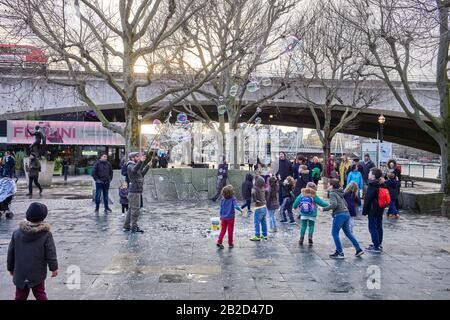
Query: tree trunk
[326,147]
[445,175]
[132,130]
[223,139]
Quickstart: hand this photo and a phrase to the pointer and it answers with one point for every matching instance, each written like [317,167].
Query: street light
[381,121]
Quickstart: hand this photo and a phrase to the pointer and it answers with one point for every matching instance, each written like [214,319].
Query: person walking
[33,169]
[247,187]
[9,167]
[227,206]
[31,250]
[343,167]
[222,176]
[123,195]
[341,220]
[102,173]
[392,185]
[367,166]
[136,173]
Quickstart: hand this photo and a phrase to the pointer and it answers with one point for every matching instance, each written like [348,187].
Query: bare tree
[329,61]
[406,38]
[93,39]
[251,30]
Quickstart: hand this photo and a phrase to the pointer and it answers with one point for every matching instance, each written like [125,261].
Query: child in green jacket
[308,198]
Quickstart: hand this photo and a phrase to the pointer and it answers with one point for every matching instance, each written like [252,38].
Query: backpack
[316,173]
[307,206]
[384,199]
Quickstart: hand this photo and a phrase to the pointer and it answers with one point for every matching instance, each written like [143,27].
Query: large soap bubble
[221,109]
[181,117]
[156,122]
[290,43]
[234,90]
[266,82]
[252,86]
[258,120]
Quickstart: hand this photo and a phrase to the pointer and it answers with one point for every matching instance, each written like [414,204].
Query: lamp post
[140,117]
[381,121]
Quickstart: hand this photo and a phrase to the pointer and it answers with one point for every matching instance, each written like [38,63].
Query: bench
[408,179]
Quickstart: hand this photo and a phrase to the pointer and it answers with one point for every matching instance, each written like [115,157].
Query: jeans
[134,202]
[280,195]
[392,208]
[30,184]
[101,187]
[259,220]
[224,225]
[247,204]
[376,230]
[38,292]
[287,205]
[342,221]
[272,220]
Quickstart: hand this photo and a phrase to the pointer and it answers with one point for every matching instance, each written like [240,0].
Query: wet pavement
[176,257]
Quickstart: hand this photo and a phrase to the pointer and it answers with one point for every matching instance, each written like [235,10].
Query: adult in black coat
[284,171]
[102,173]
[373,210]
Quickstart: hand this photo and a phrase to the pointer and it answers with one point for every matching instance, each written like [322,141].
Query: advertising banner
[63,132]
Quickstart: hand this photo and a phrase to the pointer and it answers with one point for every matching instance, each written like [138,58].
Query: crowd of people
[354,187]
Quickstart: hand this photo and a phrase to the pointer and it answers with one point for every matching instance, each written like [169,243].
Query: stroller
[8,189]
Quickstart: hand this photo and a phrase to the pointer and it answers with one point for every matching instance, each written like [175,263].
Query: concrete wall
[180,184]
[421,202]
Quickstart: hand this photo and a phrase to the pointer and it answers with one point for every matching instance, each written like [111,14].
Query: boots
[300,242]
[310,240]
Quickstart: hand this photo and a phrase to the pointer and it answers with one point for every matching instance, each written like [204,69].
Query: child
[302,180]
[227,206]
[123,194]
[373,210]
[392,185]
[353,201]
[30,251]
[308,212]
[247,186]
[356,177]
[288,200]
[341,220]
[259,196]
[272,203]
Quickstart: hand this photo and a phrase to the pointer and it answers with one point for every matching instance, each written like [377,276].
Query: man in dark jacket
[222,175]
[247,187]
[284,171]
[373,210]
[102,173]
[33,168]
[136,172]
[367,166]
[9,165]
[30,251]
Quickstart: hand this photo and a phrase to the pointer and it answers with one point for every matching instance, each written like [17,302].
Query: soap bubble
[156,122]
[186,125]
[222,109]
[181,117]
[290,43]
[258,120]
[258,110]
[252,86]
[221,98]
[266,82]
[234,90]
[161,178]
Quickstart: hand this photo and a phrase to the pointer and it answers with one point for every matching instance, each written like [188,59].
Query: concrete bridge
[22,93]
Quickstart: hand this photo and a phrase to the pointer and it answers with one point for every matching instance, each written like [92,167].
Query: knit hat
[311,185]
[259,182]
[131,155]
[36,212]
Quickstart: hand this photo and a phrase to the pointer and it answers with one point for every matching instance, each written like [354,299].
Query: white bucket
[215,225]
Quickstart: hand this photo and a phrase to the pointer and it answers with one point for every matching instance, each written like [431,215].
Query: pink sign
[63,132]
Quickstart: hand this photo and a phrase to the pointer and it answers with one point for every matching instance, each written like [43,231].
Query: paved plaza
[176,258]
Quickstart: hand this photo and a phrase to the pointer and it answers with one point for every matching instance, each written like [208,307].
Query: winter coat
[342,171]
[9,166]
[295,169]
[222,175]
[163,163]
[272,199]
[34,168]
[247,186]
[337,202]
[227,207]
[136,173]
[301,182]
[309,192]
[371,206]
[287,191]
[313,165]
[284,169]
[366,169]
[352,200]
[356,177]
[123,194]
[102,171]
[259,193]
[330,167]
[30,251]
[392,185]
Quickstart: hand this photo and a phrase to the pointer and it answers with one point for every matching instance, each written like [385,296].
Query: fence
[426,170]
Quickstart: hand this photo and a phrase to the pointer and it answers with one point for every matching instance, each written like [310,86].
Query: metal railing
[425,170]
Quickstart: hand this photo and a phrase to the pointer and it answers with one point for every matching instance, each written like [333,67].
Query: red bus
[22,55]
